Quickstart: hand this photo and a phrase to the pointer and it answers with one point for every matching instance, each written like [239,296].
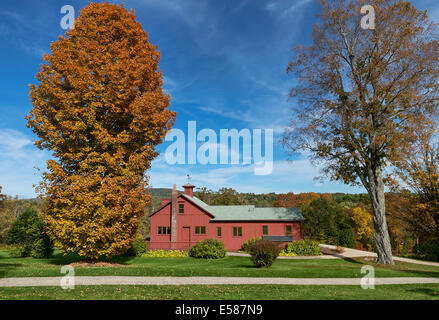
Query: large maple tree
[99,106]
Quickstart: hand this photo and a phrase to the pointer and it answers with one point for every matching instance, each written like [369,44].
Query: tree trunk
[381,233]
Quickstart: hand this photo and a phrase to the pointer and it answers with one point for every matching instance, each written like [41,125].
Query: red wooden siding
[194,216]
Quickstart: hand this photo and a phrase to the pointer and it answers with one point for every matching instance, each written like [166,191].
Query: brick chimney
[174,217]
[189,189]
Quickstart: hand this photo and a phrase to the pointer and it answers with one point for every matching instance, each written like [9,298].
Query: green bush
[208,249]
[346,238]
[28,233]
[16,251]
[428,250]
[137,248]
[42,248]
[249,242]
[304,248]
[263,253]
[328,222]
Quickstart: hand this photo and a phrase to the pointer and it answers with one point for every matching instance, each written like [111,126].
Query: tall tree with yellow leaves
[362,221]
[362,93]
[100,108]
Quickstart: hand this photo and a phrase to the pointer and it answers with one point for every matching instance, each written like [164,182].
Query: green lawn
[229,266]
[230,292]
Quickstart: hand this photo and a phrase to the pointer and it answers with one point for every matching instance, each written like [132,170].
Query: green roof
[248,212]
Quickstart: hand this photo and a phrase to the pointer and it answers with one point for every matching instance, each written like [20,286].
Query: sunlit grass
[221,292]
[229,266]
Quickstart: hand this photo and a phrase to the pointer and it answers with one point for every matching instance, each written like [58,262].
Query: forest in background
[337,218]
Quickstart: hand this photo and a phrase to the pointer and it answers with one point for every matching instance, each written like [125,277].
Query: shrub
[28,233]
[42,248]
[346,238]
[367,242]
[328,222]
[304,248]
[284,253]
[137,247]
[249,242]
[165,253]
[16,251]
[263,253]
[428,250]
[208,249]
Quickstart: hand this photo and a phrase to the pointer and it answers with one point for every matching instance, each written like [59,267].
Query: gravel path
[123,280]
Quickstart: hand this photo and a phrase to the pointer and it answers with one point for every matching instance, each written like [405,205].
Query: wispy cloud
[287,176]
[192,12]
[19,159]
[239,114]
[18,29]
[286,8]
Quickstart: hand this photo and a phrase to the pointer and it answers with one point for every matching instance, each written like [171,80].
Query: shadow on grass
[248,266]
[426,291]
[396,267]
[61,259]
[6,267]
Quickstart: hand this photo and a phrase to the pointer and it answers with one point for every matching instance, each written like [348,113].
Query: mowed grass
[226,292]
[228,267]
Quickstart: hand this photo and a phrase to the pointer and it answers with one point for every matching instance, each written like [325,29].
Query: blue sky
[224,66]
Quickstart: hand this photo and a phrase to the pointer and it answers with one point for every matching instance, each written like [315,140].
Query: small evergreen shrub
[16,250]
[27,232]
[304,248]
[249,242]
[208,249]
[137,248]
[41,248]
[263,253]
[346,238]
[429,250]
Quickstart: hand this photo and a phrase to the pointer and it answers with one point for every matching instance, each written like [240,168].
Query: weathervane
[188,179]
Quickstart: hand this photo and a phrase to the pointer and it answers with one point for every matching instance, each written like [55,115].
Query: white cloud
[12,143]
[19,159]
[434,15]
[192,12]
[285,8]
[295,176]
[240,115]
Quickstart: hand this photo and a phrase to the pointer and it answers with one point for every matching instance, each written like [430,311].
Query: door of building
[186,237]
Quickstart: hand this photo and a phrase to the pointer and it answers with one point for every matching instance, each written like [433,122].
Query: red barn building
[183,220]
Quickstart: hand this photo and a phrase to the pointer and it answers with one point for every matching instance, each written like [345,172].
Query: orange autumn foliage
[291,200]
[99,106]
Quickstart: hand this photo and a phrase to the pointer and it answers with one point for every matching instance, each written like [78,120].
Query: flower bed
[159,253]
